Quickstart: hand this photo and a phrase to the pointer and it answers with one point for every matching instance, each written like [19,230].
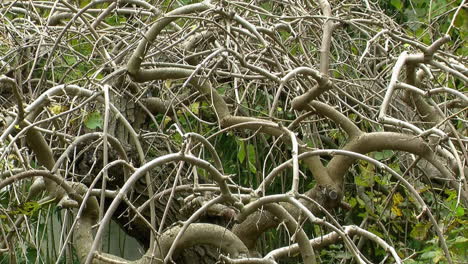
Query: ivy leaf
[383,155]
[387,154]
[378,156]
[93,120]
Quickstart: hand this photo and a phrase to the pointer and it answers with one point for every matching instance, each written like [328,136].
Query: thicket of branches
[233,131]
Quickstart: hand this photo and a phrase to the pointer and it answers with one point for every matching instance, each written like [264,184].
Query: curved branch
[314,164]
[378,141]
[353,155]
[269,202]
[197,234]
[210,148]
[112,140]
[215,174]
[332,238]
[134,63]
[341,120]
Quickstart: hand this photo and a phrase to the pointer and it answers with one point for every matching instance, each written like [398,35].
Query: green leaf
[195,108]
[241,152]
[420,231]
[460,240]
[435,256]
[383,155]
[387,154]
[452,194]
[251,157]
[29,208]
[398,4]
[31,255]
[33,164]
[177,138]
[251,151]
[252,168]
[378,156]
[93,120]
[375,231]
[362,204]
[429,255]
[396,167]
[458,211]
[366,175]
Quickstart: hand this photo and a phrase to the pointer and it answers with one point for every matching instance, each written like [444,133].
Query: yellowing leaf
[29,208]
[396,211]
[366,177]
[397,199]
[420,231]
[168,83]
[13,157]
[57,109]
[167,119]
[195,108]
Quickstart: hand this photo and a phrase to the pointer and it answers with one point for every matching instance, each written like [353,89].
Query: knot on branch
[333,195]
[327,196]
